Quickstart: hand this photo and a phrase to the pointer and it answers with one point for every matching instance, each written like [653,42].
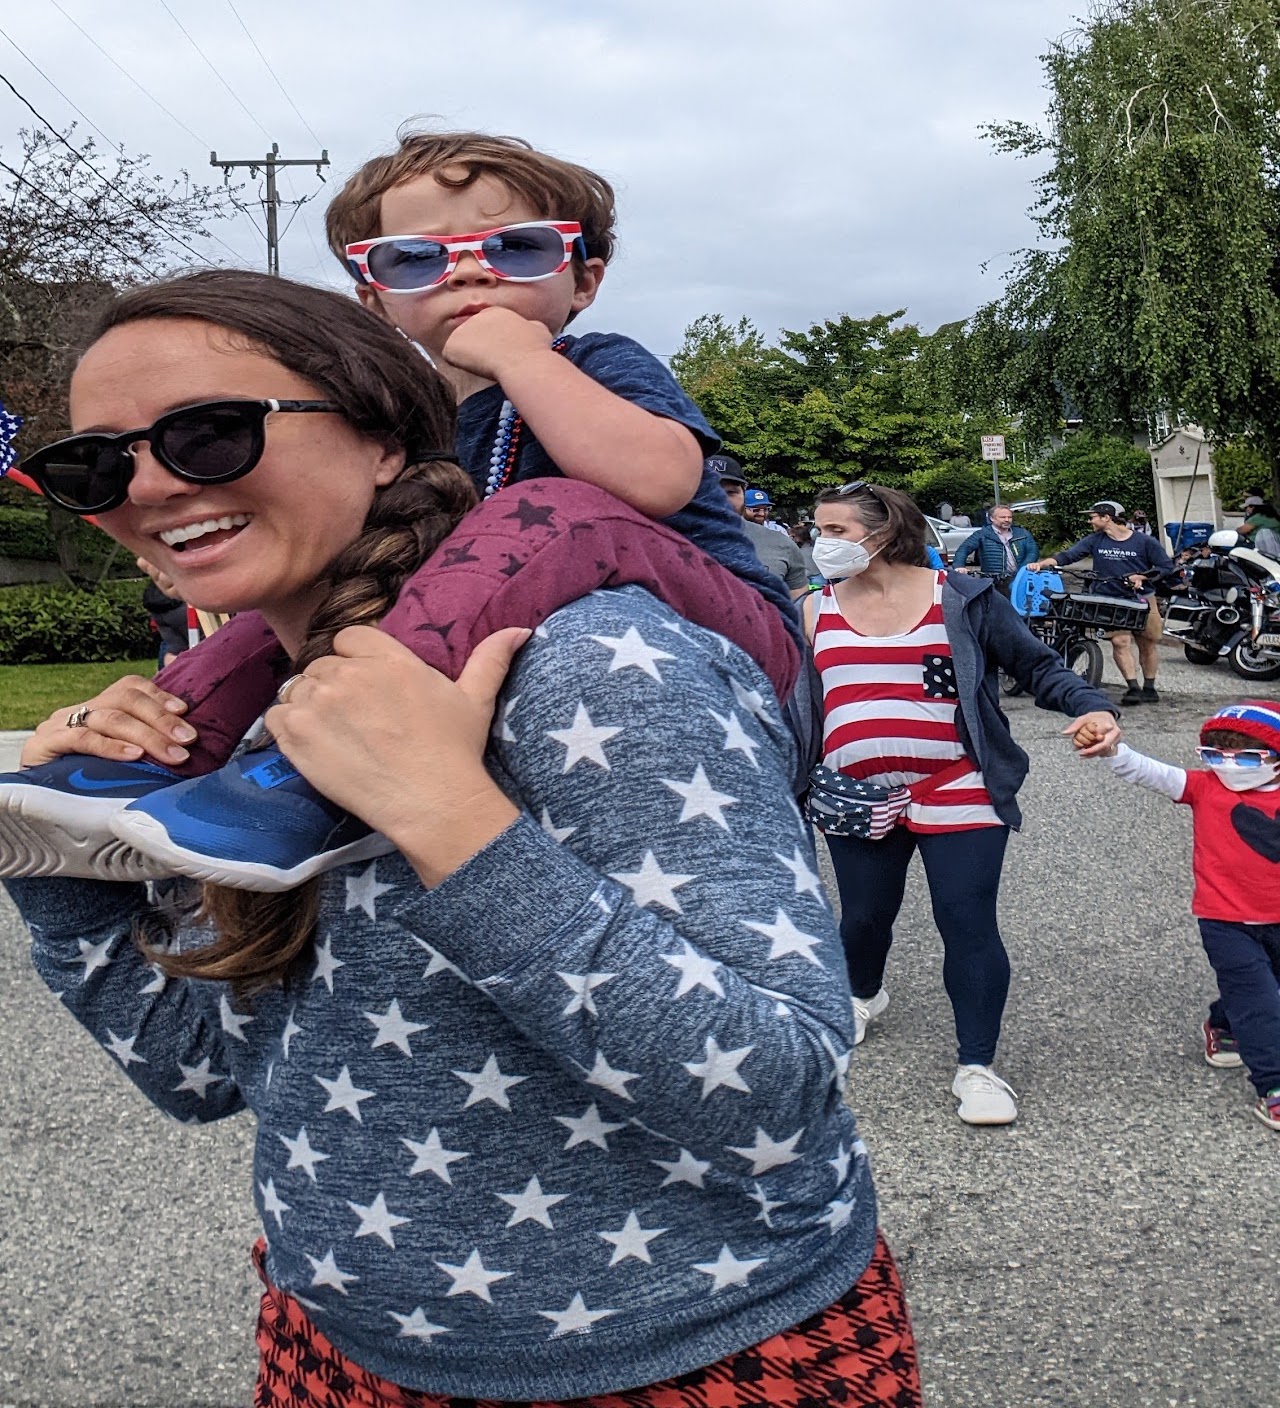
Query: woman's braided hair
[390,393]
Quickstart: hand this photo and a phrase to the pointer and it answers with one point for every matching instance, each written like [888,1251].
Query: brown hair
[1229,738]
[555,189]
[388,392]
[889,512]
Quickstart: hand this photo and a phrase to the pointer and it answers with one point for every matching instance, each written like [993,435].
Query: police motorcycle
[1226,606]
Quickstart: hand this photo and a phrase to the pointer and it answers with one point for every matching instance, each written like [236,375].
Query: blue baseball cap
[757,498]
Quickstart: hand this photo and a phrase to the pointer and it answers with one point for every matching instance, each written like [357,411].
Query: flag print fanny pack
[845,806]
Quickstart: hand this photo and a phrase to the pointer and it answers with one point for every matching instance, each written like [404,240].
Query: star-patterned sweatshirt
[571,1121]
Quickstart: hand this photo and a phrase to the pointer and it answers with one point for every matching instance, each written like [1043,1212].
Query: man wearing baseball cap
[757,506]
[775,550]
[1122,560]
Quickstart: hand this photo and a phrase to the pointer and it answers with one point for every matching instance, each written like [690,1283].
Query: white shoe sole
[146,834]
[1002,1111]
[876,1006]
[1224,1061]
[46,834]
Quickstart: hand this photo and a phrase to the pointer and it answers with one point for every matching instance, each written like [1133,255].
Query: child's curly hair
[1228,738]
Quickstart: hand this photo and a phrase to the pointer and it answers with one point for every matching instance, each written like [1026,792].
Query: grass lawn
[30,693]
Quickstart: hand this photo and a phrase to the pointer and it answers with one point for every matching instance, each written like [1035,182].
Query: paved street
[1116,1247]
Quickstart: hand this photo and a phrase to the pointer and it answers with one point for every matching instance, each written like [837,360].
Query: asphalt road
[1117,1246]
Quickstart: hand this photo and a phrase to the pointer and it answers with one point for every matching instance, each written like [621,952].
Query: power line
[274,75]
[113,145]
[165,6]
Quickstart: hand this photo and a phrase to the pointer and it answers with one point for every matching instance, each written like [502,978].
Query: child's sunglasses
[536,249]
[213,442]
[1242,757]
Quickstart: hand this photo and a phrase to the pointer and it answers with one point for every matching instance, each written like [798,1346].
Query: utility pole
[270,164]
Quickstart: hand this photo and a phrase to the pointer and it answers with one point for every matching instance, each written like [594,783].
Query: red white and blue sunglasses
[535,249]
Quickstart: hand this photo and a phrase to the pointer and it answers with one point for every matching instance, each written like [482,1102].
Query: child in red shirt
[1235,812]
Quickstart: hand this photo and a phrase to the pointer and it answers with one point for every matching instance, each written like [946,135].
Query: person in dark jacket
[908,660]
[1000,547]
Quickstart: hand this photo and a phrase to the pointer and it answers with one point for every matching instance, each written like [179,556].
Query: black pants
[1246,958]
[963,870]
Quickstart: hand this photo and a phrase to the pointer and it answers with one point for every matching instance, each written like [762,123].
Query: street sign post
[993,450]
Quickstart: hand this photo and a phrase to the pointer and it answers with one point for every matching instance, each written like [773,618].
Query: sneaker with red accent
[1221,1049]
[1268,1109]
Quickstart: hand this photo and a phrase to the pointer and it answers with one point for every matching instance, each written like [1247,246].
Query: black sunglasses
[859,486]
[213,442]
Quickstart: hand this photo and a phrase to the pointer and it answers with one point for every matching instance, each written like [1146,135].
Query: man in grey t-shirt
[776,550]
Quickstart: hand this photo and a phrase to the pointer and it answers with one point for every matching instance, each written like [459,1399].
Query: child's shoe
[1221,1049]
[255,824]
[55,819]
[1268,1109]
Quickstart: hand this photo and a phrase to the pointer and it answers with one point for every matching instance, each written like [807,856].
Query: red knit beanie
[1255,718]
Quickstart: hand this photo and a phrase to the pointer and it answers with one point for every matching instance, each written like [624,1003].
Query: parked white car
[946,538]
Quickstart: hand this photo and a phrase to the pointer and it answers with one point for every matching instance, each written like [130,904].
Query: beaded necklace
[506,443]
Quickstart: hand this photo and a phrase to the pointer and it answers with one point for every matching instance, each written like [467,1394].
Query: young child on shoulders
[1235,816]
[481,251]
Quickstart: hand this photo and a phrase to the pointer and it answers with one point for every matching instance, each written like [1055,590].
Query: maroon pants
[513,561]
[858,1353]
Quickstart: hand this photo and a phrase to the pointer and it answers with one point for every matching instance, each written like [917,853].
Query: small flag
[9,427]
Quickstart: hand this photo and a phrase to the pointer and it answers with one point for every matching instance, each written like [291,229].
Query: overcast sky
[787,160]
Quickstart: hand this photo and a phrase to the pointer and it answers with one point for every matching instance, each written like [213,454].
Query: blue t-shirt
[622,366]
[1114,561]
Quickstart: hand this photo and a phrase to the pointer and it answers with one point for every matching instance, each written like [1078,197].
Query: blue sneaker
[55,819]
[255,824]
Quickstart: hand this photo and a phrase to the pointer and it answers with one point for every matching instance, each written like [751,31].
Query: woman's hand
[129,719]
[1095,734]
[400,745]
[164,583]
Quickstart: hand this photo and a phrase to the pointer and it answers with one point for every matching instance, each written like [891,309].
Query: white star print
[557,833]
[198,1078]
[291,1029]
[233,1023]
[574,1318]
[631,1240]
[630,651]
[363,891]
[841,1165]
[433,1157]
[93,956]
[807,883]
[489,1083]
[750,699]
[505,735]
[416,1326]
[736,738]
[328,1274]
[532,1205]
[439,963]
[700,798]
[301,1154]
[377,1221]
[720,1068]
[651,885]
[840,1061]
[686,1169]
[123,1050]
[766,1207]
[343,1095]
[393,1030]
[587,1128]
[785,939]
[272,1203]
[471,1278]
[696,971]
[583,741]
[582,985]
[837,1215]
[767,1153]
[157,983]
[614,1081]
[727,1270]
[326,964]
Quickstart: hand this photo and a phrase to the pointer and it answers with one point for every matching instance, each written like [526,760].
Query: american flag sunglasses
[523,253]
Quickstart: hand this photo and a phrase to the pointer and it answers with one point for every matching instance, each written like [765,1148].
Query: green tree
[1159,284]
[1090,467]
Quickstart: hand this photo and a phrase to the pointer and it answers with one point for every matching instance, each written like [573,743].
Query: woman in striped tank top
[908,658]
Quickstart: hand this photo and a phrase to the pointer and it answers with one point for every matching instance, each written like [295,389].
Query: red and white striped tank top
[889,711]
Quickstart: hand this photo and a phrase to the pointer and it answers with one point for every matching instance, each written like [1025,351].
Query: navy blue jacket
[986,636]
[987,544]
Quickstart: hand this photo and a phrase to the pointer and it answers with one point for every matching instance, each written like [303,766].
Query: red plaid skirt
[858,1353]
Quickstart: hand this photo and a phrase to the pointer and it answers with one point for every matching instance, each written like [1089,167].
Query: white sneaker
[984,1097]
[864,1010]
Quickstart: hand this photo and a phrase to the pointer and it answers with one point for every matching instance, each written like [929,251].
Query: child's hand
[1094,735]
[165,584]
[130,718]
[489,340]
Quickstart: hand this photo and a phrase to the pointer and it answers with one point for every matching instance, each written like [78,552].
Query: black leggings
[963,870]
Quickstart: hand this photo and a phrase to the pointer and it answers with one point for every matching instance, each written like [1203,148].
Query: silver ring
[282,694]
[76,718]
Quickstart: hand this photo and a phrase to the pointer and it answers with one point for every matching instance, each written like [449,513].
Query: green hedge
[24,533]
[1090,467]
[48,624]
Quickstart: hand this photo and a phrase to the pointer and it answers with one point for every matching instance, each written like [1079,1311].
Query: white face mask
[837,558]
[1238,779]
